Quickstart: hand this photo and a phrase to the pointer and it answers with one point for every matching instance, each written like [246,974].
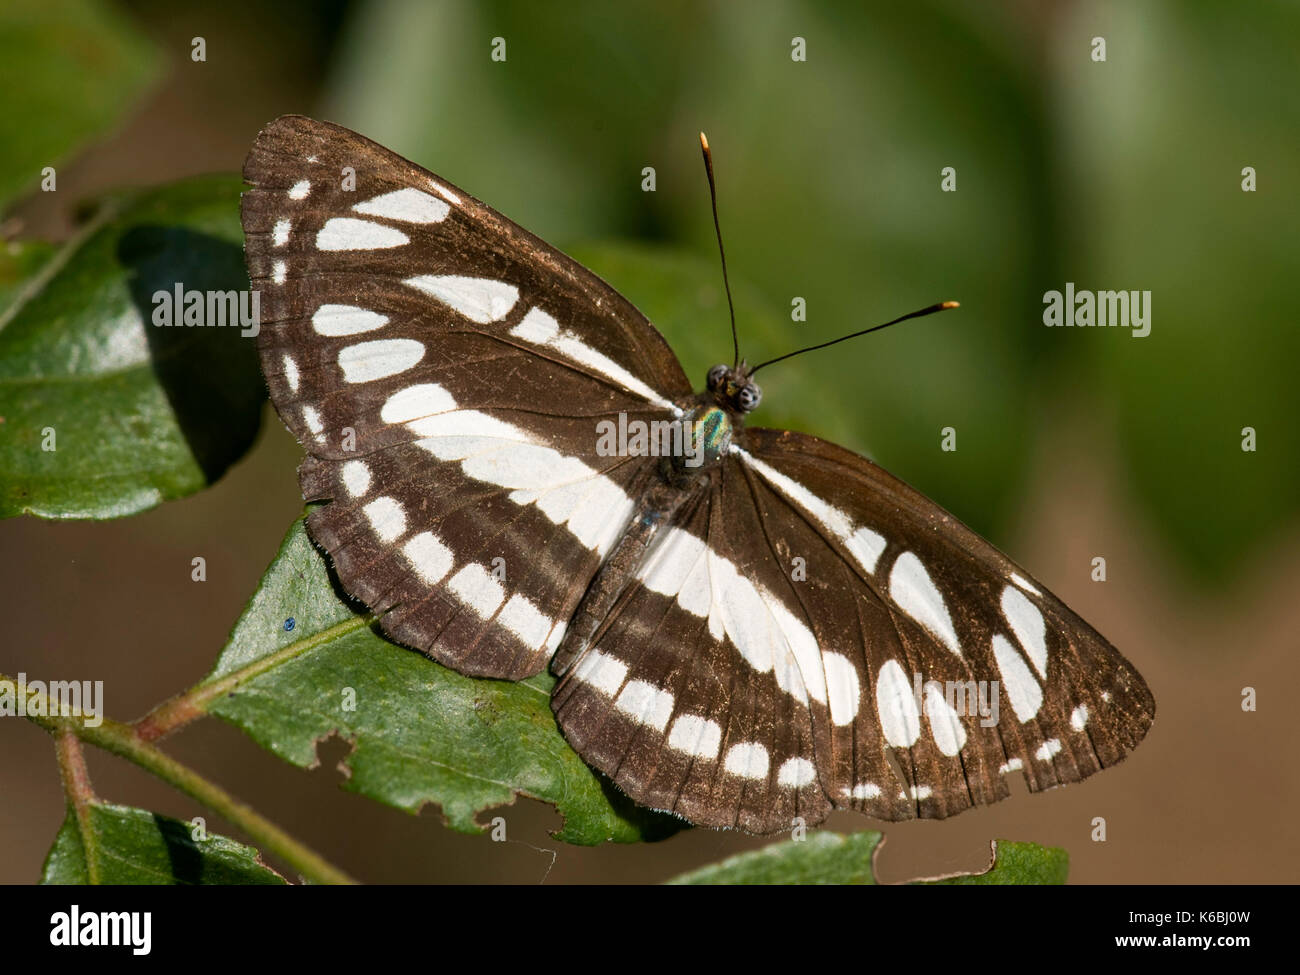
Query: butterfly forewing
[788,630]
[445,370]
[944,625]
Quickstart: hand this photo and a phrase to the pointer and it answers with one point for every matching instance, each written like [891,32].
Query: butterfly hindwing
[661,702]
[445,371]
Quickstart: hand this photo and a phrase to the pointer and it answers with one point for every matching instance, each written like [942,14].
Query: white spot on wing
[279,272]
[768,636]
[865,790]
[351,234]
[557,634]
[1047,749]
[536,327]
[945,724]
[1028,625]
[1014,765]
[1017,680]
[428,556]
[863,544]
[280,235]
[445,193]
[1025,584]
[339,321]
[387,518]
[1079,717]
[539,328]
[911,587]
[409,205]
[646,704]
[796,773]
[525,621]
[476,587]
[312,419]
[843,691]
[601,671]
[481,300]
[416,402]
[368,361]
[593,507]
[899,719]
[300,189]
[748,759]
[290,372]
[696,736]
[356,478]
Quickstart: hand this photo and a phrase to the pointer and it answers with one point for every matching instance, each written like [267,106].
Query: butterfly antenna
[941,306]
[713,197]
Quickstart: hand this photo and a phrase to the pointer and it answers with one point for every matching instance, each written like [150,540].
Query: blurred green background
[1072,443]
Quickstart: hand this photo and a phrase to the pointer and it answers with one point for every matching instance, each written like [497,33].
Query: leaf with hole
[420,733]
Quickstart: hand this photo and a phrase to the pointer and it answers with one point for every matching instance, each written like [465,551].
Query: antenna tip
[704,142]
[950,304]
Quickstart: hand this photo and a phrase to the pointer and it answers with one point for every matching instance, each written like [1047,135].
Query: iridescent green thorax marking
[712,433]
[706,431]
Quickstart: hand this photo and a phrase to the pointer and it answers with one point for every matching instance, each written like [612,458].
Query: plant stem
[178,711]
[121,739]
[80,794]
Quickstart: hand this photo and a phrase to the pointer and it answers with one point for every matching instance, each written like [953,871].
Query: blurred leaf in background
[1155,154]
[70,70]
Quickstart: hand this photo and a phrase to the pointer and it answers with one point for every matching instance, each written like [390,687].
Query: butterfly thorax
[707,432]
[712,422]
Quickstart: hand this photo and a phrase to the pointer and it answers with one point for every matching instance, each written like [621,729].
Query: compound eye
[716,375]
[748,397]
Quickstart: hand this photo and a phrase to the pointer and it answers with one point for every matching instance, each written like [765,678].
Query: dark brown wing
[446,371]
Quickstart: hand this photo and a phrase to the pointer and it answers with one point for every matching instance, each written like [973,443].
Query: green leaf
[135,846]
[821,858]
[835,858]
[69,69]
[137,414]
[1016,863]
[420,732]
[1219,264]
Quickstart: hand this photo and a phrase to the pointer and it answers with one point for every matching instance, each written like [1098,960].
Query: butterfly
[748,626]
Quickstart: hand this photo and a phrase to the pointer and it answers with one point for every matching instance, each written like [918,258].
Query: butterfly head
[732,388]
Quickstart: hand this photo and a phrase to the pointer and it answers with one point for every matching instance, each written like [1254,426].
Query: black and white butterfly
[448,373]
